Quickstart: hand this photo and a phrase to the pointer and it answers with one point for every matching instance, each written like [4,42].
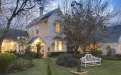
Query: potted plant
[79,71]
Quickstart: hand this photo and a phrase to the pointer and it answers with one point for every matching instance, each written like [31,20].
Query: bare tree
[12,10]
[87,22]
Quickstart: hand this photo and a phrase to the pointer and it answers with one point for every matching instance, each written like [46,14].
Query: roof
[34,38]
[13,34]
[113,34]
[47,15]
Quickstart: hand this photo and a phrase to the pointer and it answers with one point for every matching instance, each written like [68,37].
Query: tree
[38,45]
[10,10]
[86,23]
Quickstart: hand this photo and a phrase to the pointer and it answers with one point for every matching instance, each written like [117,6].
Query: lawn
[108,67]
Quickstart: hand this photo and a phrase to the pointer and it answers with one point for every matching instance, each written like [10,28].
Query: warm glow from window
[60,45]
[56,45]
[94,47]
[29,31]
[57,28]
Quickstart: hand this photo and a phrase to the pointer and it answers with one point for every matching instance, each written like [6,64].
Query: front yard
[108,67]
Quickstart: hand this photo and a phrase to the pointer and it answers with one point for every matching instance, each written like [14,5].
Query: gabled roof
[47,15]
[13,34]
[112,37]
[34,38]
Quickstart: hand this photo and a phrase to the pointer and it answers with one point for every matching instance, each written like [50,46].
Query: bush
[49,70]
[28,54]
[112,57]
[20,64]
[77,56]
[54,54]
[95,52]
[5,61]
[66,60]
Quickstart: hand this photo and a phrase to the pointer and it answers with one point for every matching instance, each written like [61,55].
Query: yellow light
[12,43]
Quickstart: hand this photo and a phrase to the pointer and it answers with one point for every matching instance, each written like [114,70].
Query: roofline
[43,19]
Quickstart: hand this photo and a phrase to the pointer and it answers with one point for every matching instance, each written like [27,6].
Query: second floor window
[29,31]
[32,34]
[57,28]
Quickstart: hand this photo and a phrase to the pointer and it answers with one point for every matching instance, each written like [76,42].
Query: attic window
[57,28]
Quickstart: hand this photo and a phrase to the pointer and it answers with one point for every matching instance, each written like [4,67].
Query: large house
[46,29]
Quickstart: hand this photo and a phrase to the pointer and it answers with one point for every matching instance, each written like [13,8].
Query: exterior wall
[54,18]
[113,46]
[119,40]
[42,29]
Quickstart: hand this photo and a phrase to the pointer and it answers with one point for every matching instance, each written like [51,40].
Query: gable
[45,16]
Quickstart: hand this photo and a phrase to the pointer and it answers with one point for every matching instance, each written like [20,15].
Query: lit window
[37,31]
[60,45]
[56,44]
[29,31]
[57,28]
[96,46]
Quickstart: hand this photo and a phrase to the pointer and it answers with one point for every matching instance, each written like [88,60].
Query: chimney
[41,11]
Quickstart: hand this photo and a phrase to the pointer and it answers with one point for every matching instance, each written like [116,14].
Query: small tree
[79,66]
[49,70]
[38,45]
[108,50]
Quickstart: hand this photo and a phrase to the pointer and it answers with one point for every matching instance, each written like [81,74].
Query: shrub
[21,64]
[77,56]
[54,54]
[79,66]
[28,54]
[112,57]
[49,70]
[96,53]
[5,61]
[66,60]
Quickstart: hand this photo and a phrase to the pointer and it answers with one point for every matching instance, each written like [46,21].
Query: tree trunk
[76,49]
[1,40]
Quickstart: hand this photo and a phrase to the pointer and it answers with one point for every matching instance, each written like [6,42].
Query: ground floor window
[96,46]
[58,45]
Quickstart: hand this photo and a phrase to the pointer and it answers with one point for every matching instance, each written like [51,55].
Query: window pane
[55,45]
[57,28]
[60,45]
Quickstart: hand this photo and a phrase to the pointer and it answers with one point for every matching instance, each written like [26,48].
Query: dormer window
[57,28]
[37,30]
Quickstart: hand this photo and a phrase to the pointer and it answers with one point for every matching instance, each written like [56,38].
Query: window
[58,46]
[57,28]
[96,46]
[37,30]
[32,34]
[29,31]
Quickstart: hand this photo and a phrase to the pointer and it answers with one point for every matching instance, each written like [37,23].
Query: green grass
[108,67]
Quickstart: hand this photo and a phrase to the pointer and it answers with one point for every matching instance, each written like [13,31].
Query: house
[46,29]
[11,40]
[113,40]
